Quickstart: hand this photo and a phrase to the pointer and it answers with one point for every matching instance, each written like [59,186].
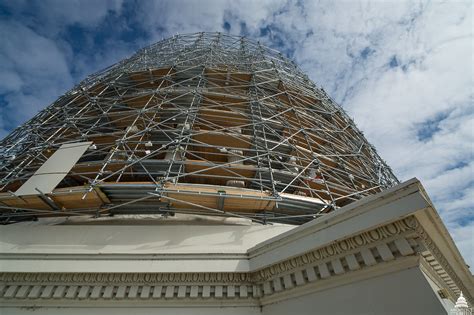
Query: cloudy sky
[402,70]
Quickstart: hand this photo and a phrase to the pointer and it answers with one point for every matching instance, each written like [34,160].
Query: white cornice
[363,215]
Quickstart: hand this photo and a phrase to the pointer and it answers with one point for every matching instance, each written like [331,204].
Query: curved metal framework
[205,123]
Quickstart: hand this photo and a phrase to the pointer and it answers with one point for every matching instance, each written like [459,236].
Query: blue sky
[403,70]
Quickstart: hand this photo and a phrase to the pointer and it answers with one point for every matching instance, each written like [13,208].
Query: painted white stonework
[132,248]
[403,292]
[385,254]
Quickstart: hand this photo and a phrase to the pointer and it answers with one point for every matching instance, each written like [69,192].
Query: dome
[206,124]
[461,302]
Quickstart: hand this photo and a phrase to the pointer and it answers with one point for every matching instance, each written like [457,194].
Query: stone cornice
[363,215]
[349,256]
[348,246]
[439,265]
[356,257]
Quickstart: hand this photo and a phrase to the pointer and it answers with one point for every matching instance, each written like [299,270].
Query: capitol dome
[461,302]
[204,123]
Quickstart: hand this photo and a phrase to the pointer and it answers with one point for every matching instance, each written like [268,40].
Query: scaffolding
[207,124]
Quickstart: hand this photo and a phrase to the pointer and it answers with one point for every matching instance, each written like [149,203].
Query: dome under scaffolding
[207,124]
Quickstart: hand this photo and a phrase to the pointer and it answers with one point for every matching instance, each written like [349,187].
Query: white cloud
[35,73]
[86,12]
[392,104]
[55,14]
[463,236]
[163,19]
